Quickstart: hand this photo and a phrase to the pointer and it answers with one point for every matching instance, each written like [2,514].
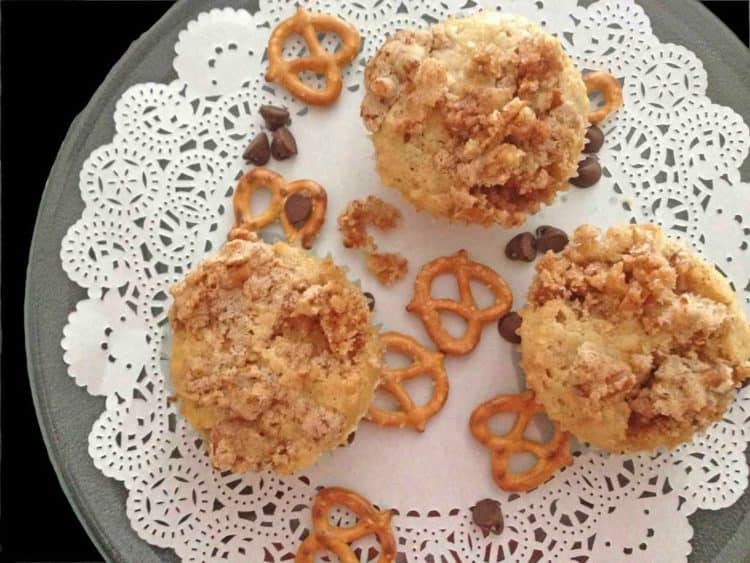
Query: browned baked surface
[631,341]
[480,119]
[274,356]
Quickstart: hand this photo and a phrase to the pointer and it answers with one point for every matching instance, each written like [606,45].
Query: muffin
[630,341]
[274,356]
[480,119]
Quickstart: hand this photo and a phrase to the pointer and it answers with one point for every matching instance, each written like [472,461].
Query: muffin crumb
[387,267]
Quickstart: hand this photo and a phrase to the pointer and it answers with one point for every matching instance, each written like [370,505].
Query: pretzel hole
[294,47]
[420,389]
[444,286]
[330,41]
[341,517]
[314,79]
[521,462]
[539,429]
[500,424]
[394,359]
[260,200]
[454,324]
[383,400]
[482,294]
[366,549]
[596,100]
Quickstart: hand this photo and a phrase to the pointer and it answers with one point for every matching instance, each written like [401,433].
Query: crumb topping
[632,340]
[491,113]
[387,267]
[274,355]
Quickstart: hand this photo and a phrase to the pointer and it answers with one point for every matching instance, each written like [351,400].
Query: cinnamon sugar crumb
[480,119]
[274,355]
[388,268]
[632,342]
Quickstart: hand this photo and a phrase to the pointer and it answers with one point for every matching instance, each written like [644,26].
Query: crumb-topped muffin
[632,342]
[274,356]
[480,119]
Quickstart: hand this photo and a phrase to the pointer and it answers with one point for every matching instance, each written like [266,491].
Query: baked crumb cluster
[630,341]
[387,267]
[480,119]
[274,356]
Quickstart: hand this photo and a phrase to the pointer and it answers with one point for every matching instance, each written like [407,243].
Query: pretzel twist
[464,269]
[611,90]
[326,536]
[424,362]
[280,191]
[550,456]
[286,72]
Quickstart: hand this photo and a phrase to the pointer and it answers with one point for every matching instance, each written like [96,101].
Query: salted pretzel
[425,362]
[550,456]
[286,72]
[464,269]
[611,90]
[325,536]
[280,191]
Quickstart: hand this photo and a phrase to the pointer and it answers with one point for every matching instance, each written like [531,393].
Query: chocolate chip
[488,515]
[507,326]
[274,116]
[370,300]
[550,238]
[258,151]
[349,440]
[297,208]
[521,247]
[283,145]
[589,172]
[594,140]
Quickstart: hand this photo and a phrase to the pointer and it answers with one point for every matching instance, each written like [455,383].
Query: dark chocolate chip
[283,145]
[297,208]
[258,151]
[507,326]
[550,238]
[274,116]
[594,140]
[349,440]
[488,515]
[370,300]
[544,230]
[521,247]
[589,172]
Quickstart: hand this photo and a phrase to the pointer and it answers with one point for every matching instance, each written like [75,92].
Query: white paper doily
[158,199]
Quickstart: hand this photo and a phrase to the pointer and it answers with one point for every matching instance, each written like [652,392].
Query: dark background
[53,56]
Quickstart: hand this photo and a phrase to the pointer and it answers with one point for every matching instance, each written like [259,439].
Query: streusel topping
[480,119]
[274,356]
[631,341]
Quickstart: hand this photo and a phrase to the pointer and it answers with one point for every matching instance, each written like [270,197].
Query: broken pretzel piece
[611,91]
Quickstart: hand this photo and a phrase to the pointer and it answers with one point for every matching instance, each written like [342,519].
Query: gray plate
[67,412]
